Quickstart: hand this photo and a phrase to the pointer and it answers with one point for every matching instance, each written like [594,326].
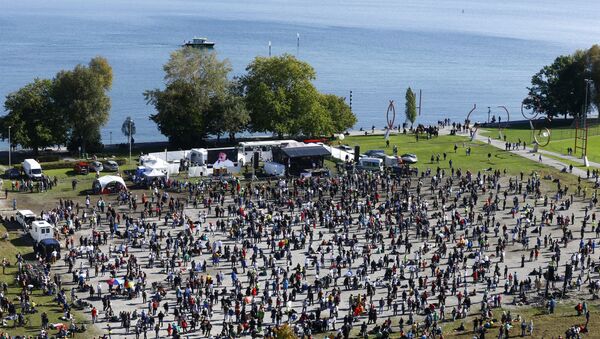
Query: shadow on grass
[24,241]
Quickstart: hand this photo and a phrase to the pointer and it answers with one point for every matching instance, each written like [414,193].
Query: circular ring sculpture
[392,109]
[544,135]
[532,115]
[507,117]
[472,130]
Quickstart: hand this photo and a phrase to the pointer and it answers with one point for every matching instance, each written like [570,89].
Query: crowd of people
[357,253]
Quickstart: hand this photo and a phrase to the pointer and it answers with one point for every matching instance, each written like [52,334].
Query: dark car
[12,173]
[45,248]
[375,153]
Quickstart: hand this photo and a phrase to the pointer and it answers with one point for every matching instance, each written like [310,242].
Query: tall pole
[420,95]
[297,44]
[350,100]
[489,112]
[9,148]
[269,48]
[130,121]
[110,137]
[584,125]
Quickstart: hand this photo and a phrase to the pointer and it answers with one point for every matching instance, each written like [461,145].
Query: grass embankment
[16,244]
[544,325]
[560,139]
[477,161]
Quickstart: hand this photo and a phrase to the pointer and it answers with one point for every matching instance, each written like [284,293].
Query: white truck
[32,169]
[370,164]
[25,218]
[40,230]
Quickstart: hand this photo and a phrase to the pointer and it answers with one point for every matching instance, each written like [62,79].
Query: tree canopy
[411,106]
[128,127]
[31,117]
[282,99]
[69,109]
[560,88]
[81,98]
[197,100]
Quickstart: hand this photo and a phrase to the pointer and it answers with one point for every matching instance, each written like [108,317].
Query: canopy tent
[154,163]
[154,173]
[106,184]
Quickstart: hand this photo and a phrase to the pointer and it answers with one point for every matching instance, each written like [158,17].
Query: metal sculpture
[500,128]
[534,113]
[541,136]
[542,133]
[472,130]
[392,109]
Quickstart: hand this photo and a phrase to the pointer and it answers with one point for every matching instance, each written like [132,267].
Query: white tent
[154,173]
[154,163]
[104,181]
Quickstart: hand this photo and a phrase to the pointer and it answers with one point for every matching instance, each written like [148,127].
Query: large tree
[282,99]
[560,88]
[81,98]
[228,114]
[31,117]
[196,85]
[410,108]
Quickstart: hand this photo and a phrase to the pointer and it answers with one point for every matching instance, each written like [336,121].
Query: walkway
[549,160]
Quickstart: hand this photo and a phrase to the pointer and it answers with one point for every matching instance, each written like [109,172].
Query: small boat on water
[199,43]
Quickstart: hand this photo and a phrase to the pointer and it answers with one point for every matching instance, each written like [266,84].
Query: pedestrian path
[550,160]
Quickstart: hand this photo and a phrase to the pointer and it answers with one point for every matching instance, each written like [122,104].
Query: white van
[32,169]
[370,164]
[41,230]
[25,218]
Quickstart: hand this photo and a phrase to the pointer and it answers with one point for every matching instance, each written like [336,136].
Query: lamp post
[350,100]
[269,48]
[130,122]
[586,163]
[489,112]
[110,137]
[9,148]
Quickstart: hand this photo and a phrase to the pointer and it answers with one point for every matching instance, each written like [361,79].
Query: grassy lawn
[561,139]
[545,325]
[17,243]
[477,161]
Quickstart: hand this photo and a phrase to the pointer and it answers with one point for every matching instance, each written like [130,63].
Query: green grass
[17,243]
[477,161]
[545,325]
[561,139]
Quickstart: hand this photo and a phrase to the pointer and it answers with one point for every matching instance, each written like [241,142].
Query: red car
[82,167]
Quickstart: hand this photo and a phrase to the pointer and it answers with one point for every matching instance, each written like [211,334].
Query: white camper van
[370,164]
[40,230]
[25,218]
[32,169]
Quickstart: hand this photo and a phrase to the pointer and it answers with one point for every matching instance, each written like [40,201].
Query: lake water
[458,52]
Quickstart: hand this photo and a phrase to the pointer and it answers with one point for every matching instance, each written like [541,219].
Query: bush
[284,332]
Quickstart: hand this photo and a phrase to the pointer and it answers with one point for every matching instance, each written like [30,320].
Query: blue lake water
[458,52]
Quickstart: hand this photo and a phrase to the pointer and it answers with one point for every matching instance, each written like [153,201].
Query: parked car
[82,167]
[96,166]
[375,153]
[12,173]
[409,158]
[111,166]
[346,148]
